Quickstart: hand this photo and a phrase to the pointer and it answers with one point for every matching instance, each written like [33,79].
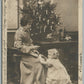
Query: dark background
[68,56]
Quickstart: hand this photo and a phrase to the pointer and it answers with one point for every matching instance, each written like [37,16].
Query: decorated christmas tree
[45,19]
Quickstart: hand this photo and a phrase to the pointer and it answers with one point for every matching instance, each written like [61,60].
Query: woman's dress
[31,69]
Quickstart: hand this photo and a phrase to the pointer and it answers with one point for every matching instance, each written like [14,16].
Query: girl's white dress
[57,73]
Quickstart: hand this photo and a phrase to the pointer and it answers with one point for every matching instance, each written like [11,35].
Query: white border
[80,53]
[4,43]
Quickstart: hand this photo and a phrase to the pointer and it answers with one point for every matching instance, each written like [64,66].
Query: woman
[31,69]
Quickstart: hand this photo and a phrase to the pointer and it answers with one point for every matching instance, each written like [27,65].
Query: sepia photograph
[42,42]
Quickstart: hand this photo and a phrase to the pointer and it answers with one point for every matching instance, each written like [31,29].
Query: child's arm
[45,62]
[49,63]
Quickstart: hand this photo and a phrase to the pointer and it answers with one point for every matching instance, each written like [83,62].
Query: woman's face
[28,26]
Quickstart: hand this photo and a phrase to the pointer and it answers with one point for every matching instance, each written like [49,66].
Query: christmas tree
[45,19]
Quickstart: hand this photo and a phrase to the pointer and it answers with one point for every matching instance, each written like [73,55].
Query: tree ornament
[36,33]
[27,3]
[48,21]
[40,28]
[40,2]
[58,23]
[52,11]
[30,1]
[32,34]
[33,12]
[40,18]
[46,12]
[45,28]
[41,6]
[52,22]
[52,2]
[56,15]
[46,1]
[30,29]
[51,28]
[37,13]
[37,24]
[43,19]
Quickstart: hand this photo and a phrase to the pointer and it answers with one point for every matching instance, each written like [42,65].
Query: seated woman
[31,69]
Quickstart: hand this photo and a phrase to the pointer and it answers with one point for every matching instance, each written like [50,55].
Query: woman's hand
[34,47]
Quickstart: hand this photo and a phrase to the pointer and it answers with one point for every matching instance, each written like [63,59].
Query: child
[56,73]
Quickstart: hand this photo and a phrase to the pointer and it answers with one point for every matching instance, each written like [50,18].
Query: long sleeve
[22,41]
[18,39]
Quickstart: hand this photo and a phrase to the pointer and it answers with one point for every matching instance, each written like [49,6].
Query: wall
[12,14]
[68,10]
[10,39]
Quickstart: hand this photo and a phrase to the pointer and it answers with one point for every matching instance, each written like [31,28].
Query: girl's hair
[55,51]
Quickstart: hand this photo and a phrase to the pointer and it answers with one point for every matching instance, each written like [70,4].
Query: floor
[68,57]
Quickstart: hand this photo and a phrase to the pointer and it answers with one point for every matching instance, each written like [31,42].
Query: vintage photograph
[40,42]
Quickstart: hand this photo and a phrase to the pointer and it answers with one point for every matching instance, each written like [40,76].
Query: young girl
[56,73]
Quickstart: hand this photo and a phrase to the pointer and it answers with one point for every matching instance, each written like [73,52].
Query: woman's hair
[25,20]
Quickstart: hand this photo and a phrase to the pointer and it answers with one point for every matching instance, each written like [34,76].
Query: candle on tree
[52,11]
[37,13]
[40,2]
[43,19]
[40,28]
[52,22]
[48,21]
[45,28]
[46,12]
[33,12]
[40,18]
[51,28]
[58,23]
[27,3]
[41,6]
